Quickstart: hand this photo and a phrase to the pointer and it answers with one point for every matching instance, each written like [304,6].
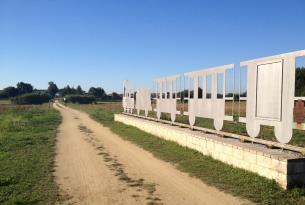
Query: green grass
[235,181]
[266,132]
[27,144]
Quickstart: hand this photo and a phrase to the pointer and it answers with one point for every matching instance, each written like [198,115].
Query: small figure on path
[65,101]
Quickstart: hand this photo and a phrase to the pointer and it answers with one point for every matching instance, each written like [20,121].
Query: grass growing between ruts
[27,140]
[232,180]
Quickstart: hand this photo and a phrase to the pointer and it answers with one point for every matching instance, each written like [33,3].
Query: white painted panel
[128,101]
[143,101]
[269,90]
[209,106]
[166,103]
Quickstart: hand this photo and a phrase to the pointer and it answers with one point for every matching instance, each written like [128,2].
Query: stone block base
[285,167]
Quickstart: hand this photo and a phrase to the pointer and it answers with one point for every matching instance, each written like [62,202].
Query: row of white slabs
[270,95]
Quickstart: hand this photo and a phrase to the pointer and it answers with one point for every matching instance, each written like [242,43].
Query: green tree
[300,81]
[52,89]
[24,88]
[115,96]
[9,92]
[67,91]
[98,93]
[79,90]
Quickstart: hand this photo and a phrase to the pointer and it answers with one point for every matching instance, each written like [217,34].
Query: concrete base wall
[286,168]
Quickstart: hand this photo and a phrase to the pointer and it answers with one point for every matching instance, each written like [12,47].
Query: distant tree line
[299,89]
[24,93]
[300,81]
[97,92]
[20,89]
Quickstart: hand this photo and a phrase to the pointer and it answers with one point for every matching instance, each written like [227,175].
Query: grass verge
[266,132]
[235,181]
[27,140]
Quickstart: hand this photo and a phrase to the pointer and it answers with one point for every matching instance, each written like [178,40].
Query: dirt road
[95,166]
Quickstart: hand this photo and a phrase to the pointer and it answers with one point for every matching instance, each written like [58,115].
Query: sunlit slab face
[143,101]
[166,100]
[211,104]
[270,94]
[269,91]
[128,99]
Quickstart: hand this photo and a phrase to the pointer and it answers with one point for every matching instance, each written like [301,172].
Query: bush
[81,99]
[31,98]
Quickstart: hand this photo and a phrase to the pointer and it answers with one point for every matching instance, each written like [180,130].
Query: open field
[231,108]
[27,140]
[232,180]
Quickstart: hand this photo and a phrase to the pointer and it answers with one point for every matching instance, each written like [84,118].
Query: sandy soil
[95,166]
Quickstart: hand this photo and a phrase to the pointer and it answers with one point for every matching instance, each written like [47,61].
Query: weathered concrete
[285,167]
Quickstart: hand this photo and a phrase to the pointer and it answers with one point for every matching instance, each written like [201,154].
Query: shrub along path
[96,166]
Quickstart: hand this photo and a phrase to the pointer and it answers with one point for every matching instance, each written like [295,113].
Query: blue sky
[101,43]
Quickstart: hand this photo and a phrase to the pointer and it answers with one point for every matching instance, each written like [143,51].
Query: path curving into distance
[95,166]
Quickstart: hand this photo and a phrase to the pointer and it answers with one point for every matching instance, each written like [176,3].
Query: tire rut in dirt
[139,184]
